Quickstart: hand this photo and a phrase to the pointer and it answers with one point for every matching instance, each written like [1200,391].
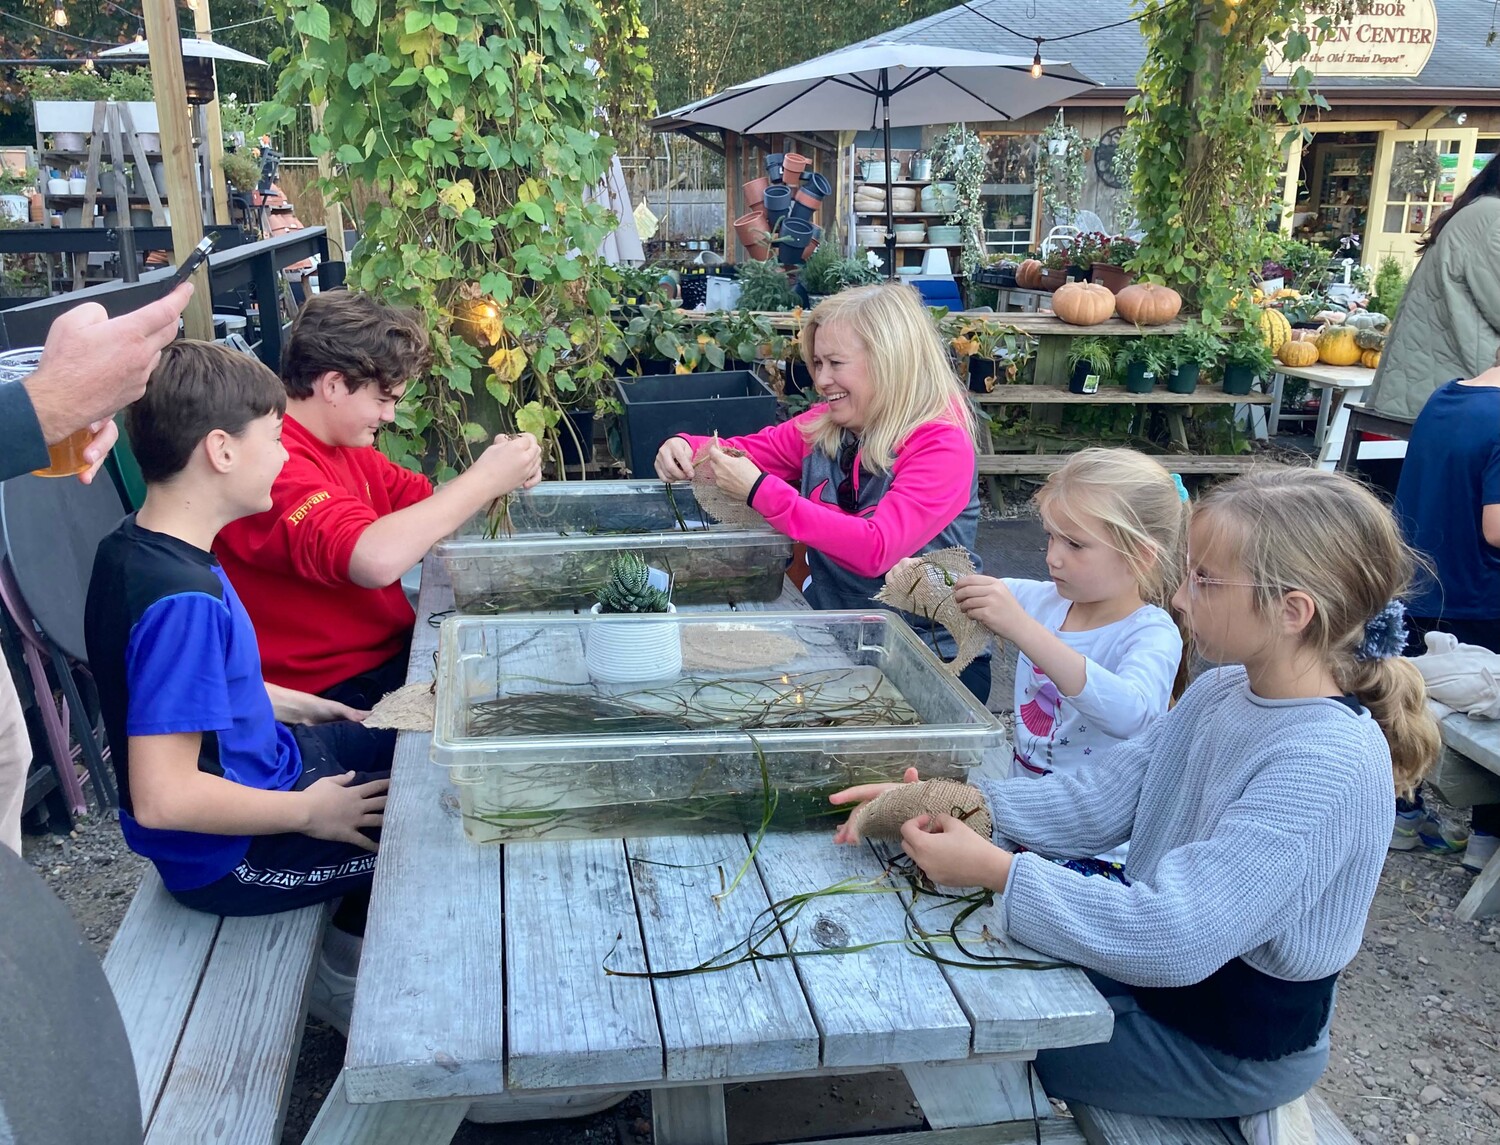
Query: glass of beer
[65,458]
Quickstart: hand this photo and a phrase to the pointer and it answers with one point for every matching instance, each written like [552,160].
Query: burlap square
[883,817]
[925,586]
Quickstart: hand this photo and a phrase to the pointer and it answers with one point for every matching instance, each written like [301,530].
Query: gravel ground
[1416,1046]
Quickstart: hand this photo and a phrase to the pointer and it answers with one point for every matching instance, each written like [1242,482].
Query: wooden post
[213,126]
[177,155]
[333,213]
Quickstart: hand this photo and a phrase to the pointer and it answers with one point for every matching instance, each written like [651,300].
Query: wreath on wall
[1416,169]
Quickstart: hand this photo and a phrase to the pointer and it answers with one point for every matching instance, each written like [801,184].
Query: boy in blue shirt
[1448,501]
[241,813]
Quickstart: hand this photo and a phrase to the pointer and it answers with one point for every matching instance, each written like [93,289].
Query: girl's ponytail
[1396,695]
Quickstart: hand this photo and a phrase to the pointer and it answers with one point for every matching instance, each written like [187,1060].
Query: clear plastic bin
[771,713]
[555,551]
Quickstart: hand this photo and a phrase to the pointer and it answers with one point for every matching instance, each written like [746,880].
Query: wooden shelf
[103,158]
[897,183]
[925,246]
[1116,395]
[904,214]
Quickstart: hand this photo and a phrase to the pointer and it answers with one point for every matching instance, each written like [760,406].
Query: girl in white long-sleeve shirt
[1098,650]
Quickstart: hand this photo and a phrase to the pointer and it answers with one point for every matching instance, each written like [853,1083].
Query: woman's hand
[736,476]
[952,855]
[859,795]
[674,460]
[988,601]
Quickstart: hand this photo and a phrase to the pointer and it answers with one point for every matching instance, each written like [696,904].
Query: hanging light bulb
[59,16]
[192,5]
[1036,62]
[140,33]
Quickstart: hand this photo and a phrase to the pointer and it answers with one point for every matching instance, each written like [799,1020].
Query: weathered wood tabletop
[483,972]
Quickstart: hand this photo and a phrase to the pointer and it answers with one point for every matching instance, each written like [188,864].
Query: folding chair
[52,527]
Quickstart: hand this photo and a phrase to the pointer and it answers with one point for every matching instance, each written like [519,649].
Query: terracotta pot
[751,230]
[1111,277]
[807,198]
[1052,279]
[792,166]
[755,191]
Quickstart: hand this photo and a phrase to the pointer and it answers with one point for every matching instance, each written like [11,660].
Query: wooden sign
[1381,39]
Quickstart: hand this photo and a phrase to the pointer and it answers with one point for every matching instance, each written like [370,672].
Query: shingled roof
[1461,62]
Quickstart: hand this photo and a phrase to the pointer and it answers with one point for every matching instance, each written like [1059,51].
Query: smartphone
[194,261]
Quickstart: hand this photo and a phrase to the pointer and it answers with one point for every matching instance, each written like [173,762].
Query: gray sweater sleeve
[1268,859]
[1075,815]
[25,448]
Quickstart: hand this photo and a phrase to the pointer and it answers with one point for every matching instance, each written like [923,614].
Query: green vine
[1060,171]
[473,128]
[957,156]
[1209,141]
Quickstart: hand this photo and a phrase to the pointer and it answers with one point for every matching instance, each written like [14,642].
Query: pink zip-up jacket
[929,500]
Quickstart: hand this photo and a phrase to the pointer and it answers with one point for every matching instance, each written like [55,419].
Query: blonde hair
[912,379]
[1137,509]
[1328,536]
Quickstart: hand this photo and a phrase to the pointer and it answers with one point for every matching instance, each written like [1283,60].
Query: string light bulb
[1036,62]
[59,15]
[192,5]
[140,33]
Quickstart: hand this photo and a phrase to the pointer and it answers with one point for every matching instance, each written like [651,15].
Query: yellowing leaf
[683,368]
[508,364]
[457,196]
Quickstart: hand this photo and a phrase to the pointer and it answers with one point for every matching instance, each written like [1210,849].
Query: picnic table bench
[1467,773]
[214,1010]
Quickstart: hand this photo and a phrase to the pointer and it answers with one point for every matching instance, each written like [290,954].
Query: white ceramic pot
[78,186]
[69,140]
[57,187]
[15,207]
[629,649]
[150,141]
[1057,146]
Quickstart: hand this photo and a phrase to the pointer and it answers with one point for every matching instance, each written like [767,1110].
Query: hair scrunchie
[1385,634]
[1182,493]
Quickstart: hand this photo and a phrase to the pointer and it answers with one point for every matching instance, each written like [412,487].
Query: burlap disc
[412,708]
[717,504]
[713,648]
[883,817]
[925,586]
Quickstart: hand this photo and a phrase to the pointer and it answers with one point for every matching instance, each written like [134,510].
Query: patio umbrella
[191,48]
[884,84]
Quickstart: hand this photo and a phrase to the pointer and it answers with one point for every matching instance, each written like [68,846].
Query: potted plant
[959,157]
[14,203]
[827,272]
[241,170]
[1141,361]
[1194,349]
[988,353]
[632,647]
[1060,163]
[1246,357]
[1054,271]
[1109,264]
[1092,362]
[764,286]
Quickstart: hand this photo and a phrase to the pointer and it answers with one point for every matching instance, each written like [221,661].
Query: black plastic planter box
[730,403]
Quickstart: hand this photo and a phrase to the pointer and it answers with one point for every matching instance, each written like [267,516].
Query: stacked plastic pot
[782,205]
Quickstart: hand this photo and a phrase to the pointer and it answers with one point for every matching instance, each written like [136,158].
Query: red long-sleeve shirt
[290,564]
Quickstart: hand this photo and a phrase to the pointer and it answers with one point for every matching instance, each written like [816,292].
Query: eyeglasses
[1197,582]
[848,497]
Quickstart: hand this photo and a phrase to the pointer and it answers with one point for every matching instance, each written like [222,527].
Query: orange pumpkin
[1147,304]
[1297,353]
[1337,347]
[1083,303]
[1029,274]
[1369,359]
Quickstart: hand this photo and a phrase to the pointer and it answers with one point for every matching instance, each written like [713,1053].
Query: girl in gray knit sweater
[1258,812]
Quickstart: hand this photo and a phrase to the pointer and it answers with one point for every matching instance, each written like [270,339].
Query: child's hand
[511,463]
[862,794]
[734,475]
[674,460]
[338,812]
[293,707]
[988,601]
[952,855]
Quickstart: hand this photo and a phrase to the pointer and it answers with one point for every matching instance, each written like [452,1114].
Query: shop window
[1422,184]
[1008,199]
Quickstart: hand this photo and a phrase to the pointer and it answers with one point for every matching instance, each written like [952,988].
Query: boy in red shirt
[320,572]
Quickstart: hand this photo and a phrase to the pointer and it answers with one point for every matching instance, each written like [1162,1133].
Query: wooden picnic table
[483,972]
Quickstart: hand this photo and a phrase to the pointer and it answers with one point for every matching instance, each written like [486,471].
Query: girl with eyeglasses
[1258,811]
[882,468]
